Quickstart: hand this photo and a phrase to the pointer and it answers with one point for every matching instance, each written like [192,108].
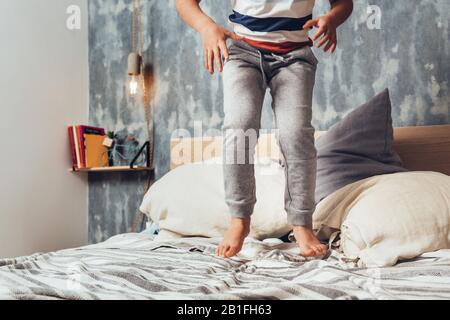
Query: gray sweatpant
[290,77]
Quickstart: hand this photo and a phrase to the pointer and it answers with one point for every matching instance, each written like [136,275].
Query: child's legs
[244,91]
[292,89]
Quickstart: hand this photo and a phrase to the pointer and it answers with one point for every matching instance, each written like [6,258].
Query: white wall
[43,88]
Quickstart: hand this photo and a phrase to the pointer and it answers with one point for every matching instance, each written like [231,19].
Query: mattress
[138,266]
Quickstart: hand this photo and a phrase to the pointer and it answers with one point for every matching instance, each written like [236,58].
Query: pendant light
[134,72]
[135,57]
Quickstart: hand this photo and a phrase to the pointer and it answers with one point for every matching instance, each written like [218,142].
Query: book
[96,154]
[82,130]
[72,148]
[76,144]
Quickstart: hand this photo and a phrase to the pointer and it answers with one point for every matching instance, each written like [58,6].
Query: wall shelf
[130,168]
[115,169]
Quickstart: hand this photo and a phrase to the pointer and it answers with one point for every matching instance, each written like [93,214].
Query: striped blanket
[135,266]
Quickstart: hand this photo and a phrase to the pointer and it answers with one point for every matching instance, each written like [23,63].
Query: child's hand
[214,45]
[326,29]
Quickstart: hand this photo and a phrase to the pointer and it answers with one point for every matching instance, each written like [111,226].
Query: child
[269,48]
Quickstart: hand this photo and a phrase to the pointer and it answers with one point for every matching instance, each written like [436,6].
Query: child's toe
[224,251]
[232,251]
[310,252]
[221,250]
[321,249]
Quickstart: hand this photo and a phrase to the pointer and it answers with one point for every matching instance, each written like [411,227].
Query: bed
[138,266]
[132,266]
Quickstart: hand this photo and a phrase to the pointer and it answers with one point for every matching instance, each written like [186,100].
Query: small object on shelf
[108,142]
[123,150]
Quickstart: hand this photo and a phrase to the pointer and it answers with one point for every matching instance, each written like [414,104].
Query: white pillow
[190,201]
[390,217]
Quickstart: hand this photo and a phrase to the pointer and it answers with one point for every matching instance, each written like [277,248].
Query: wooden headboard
[421,148]
[424,148]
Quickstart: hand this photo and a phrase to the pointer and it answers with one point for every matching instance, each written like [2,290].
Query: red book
[72,148]
[82,130]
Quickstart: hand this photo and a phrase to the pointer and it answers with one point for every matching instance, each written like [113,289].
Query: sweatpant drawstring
[279,58]
[261,65]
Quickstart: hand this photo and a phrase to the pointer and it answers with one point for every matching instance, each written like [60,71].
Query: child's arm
[213,35]
[327,24]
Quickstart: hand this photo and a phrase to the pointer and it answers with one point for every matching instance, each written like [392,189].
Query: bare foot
[234,238]
[309,245]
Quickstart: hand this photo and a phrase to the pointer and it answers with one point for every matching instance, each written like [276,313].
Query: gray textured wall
[410,54]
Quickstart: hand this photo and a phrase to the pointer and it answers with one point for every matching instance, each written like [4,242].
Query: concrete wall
[43,88]
[409,54]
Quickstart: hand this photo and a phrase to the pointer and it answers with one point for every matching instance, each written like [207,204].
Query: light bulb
[133,84]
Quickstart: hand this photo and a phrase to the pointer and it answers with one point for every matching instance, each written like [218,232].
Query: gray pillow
[357,147]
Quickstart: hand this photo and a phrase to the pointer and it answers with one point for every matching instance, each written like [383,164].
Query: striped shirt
[274,25]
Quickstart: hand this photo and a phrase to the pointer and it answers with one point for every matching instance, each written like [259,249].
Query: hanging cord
[133,26]
[149,119]
[148,109]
